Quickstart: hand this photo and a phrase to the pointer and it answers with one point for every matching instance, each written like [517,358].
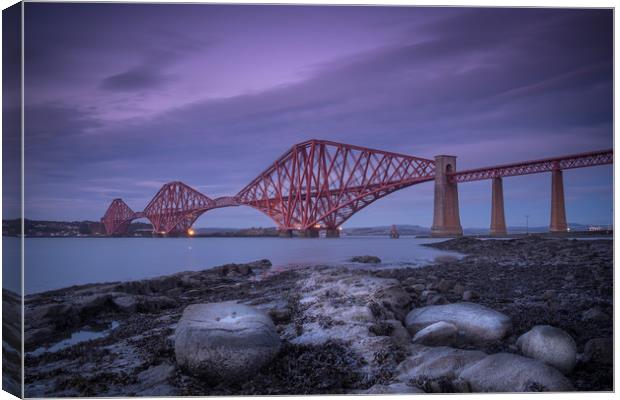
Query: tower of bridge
[558,209]
[446,219]
[498,220]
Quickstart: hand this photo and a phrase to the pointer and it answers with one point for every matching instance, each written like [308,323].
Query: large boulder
[438,334]
[436,362]
[474,322]
[550,345]
[503,372]
[224,341]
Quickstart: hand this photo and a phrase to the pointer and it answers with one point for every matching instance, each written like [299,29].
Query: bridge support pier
[558,210]
[309,233]
[285,233]
[498,220]
[446,219]
[332,233]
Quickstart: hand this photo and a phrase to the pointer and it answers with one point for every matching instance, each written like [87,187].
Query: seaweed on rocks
[297,369]
[341,328]
[440,385]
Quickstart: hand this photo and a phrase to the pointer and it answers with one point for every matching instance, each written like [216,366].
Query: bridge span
[319,184]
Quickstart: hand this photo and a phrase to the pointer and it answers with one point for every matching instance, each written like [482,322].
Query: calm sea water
[53,263]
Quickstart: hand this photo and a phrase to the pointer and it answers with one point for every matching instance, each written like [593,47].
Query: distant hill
[415,230]
[404,230]
[95,228]
[65,228]
[51,228]
[522,229]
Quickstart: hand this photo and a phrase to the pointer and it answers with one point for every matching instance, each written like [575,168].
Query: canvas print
[228,199]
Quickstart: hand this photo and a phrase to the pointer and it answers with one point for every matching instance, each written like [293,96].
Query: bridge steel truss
[320,184]
[117,218]
[173,210]
[175,207]
[535,166]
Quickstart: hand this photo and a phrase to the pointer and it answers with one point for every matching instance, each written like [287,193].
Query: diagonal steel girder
[323,183]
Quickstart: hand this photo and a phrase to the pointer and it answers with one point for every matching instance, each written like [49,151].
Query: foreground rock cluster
[518,315]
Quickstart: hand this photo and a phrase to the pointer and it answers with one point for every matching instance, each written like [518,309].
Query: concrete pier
[446,219]
[558,210]
[332,233]
[309,233]
[498,220]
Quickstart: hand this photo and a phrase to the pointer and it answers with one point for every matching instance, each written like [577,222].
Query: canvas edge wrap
[12,200]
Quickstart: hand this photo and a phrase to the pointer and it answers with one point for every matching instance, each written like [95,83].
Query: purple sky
[123,98]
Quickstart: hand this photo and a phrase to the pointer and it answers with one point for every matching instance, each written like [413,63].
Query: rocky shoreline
[342,330]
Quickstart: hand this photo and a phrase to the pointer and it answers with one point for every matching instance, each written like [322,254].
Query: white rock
[475,323]
[503,372]
[438,334]
[224,341]
[436,362]
[550,345]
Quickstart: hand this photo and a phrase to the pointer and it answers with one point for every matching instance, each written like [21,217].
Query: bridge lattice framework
[319,184]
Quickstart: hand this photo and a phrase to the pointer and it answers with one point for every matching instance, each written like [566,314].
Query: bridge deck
[535,166]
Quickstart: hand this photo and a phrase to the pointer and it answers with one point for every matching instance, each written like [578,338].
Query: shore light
[191,232]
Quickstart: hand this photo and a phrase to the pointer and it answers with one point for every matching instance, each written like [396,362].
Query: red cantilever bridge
[320,184]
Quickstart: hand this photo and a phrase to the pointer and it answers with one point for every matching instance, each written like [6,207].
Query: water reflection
[54,263]
[76,337]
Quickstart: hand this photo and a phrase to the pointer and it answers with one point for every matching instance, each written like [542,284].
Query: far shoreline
[574,234]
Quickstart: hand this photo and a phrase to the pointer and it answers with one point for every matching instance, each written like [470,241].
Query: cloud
[385,97]
[135,79]
[489,85]
[55,120]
